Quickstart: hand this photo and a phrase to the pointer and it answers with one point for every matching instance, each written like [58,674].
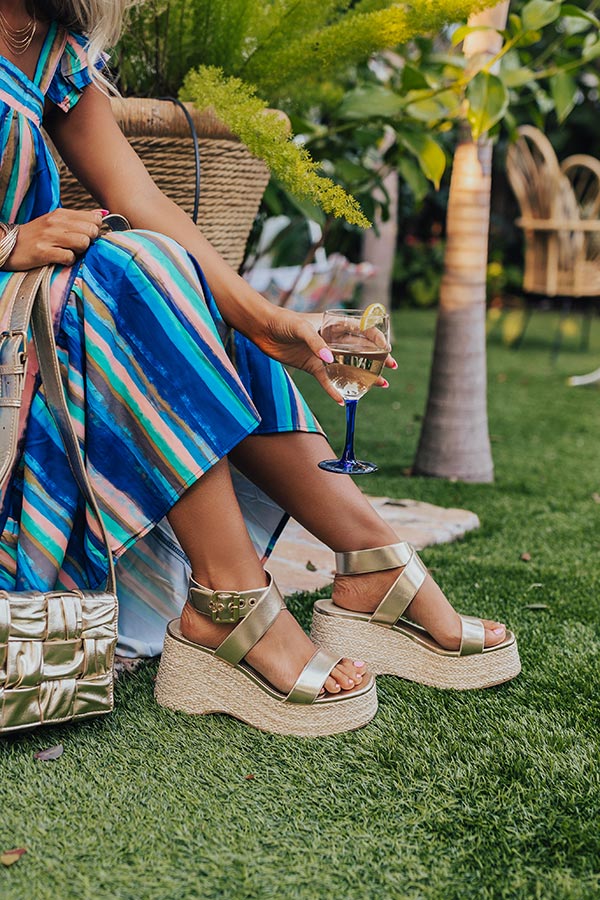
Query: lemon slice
[373,315]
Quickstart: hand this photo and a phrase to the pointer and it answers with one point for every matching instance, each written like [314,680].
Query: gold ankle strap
[225,606]
[359,562]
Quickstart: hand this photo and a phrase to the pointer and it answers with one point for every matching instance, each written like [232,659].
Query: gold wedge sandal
[391,645]
[197,679]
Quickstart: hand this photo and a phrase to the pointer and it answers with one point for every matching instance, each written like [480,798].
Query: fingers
[77,228]
[62,257]
[74,219]
[317,345]
[79,241]
[72,231]
[390,362]
[321,376]
[315,342]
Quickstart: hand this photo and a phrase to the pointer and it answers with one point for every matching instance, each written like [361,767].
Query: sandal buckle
[226,606]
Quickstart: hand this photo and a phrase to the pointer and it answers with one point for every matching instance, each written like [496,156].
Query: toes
[332,686]
[495,632]
[351,670]
[345,681]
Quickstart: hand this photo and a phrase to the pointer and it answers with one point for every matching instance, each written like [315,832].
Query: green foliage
[282,66]
[418,268]
[285,48]
[295,54]
[318,60]
[487,102]
[266,134]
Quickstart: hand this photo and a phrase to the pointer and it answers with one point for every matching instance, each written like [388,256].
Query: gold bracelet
[7,241]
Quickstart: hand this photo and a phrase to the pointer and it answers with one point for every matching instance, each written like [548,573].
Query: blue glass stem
[348,454]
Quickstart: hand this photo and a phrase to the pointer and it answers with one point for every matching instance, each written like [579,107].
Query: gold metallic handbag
[56,647]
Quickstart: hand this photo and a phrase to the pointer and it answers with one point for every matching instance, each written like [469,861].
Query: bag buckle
[226,606]
[22,335]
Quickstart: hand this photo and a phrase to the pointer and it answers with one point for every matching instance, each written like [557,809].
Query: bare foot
[279,656]
[429,608]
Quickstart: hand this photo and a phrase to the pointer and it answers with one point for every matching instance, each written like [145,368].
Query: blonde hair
[100,20]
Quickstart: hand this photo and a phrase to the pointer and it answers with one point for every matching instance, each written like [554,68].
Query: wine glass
[360,342]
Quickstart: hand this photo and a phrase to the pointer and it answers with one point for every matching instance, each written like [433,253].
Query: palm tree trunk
[454,441]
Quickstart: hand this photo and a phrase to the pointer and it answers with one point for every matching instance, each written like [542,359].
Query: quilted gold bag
[57,647]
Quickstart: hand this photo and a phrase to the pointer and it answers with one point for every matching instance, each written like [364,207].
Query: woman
[162,411]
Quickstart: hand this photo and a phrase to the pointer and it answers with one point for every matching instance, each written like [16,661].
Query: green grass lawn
[490,794]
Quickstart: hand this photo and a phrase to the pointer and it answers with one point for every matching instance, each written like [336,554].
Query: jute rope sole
[388,652]
[192,681]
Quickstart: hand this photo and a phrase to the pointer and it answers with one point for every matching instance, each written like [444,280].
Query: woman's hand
[57,238]
[291,339]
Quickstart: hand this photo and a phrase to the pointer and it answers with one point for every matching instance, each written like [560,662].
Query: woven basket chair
[560,218]
[232,180]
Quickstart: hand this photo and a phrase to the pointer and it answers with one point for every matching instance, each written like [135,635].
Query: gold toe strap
[377,559]
[313,676]
[473,636]
[401,593]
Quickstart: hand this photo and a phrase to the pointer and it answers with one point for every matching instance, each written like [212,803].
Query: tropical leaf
[563,89]
[538,13]
[487,98]
[366,103]
[429,154]
[570,11]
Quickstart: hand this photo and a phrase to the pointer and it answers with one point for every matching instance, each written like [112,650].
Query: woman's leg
[209,526]
[334,509]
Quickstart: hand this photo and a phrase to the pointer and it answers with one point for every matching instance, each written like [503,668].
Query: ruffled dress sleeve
[72,74]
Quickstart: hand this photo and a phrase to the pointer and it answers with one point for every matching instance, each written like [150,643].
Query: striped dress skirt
[160,390]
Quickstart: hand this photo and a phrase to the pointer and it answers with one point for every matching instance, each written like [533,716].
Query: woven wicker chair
[560,218]
[232,180]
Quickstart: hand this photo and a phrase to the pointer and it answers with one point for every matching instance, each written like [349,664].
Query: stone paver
[302,563]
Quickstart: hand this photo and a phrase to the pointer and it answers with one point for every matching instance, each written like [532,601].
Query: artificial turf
[487,794]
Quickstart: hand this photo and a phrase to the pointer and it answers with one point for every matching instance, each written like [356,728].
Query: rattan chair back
[560,207]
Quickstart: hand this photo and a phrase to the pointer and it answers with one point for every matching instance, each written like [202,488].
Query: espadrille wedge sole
[199,680]
[401,650]
[390,645]
[192,679]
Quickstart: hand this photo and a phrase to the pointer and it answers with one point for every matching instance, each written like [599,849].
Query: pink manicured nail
[499,630]
[104,212]
[394,364]
[340,402]
[326,355]
[358,663]
[385,384]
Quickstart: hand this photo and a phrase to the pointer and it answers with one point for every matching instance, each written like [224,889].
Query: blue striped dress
[148,366]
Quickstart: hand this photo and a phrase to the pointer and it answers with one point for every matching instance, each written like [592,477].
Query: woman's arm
[93,146]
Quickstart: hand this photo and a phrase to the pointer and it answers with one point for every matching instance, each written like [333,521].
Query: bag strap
[17,298]
[45,345]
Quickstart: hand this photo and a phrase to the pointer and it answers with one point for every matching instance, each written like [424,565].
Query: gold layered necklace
[18,40]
